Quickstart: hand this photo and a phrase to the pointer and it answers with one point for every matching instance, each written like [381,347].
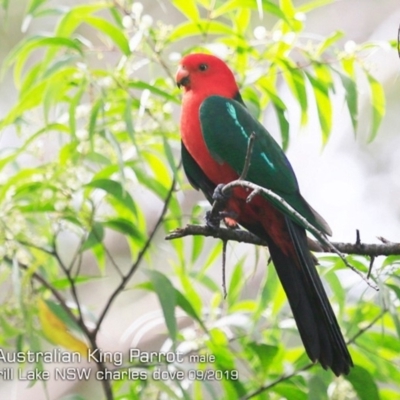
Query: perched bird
[215,127]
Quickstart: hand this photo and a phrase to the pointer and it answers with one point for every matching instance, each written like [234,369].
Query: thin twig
[71,281]
[53,290]
[365,328]
[398,42]
[298,217]
[247,160]
[282,378]
[78,320]
[136,264]
[358,237]
[224,244]
[286,377]
[371,263]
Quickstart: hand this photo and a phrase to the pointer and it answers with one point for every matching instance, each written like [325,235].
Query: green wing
[227,126]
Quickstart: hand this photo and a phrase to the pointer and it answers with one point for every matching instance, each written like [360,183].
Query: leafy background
[91,183]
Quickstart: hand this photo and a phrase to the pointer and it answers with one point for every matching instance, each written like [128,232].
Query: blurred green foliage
[97,141]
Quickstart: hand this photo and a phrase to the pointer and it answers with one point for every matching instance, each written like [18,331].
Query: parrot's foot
[213,221]
[217,214]
[219,194]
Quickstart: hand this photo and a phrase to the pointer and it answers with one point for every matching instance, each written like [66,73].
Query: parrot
[215,129]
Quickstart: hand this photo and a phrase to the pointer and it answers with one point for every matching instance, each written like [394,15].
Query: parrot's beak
[182,77]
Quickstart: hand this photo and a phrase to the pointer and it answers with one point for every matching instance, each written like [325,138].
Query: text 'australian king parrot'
[215,128]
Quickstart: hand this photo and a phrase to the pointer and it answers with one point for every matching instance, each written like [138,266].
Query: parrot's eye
[203,67]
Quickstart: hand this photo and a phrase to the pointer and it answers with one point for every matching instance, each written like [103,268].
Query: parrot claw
[213,221]
[219,194]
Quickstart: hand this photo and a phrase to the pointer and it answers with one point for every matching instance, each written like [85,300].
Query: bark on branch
[239,235]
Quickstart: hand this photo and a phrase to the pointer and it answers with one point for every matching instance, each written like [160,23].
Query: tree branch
[240,235]
[77,319]
[135,265]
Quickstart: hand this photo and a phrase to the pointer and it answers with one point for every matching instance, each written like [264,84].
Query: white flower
[167,108]
[299,16]
[260,32]
[146,21]
[289,37]
[106,82]
[127,22]
[137,9]
[82,134]
[350,46]
[276,36]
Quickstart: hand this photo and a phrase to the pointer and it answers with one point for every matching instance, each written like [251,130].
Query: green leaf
[129,121]
[283,124]
[232,5]
[186,306]
[34,5]
[181,301]
[197,247]
[205,280]
[187,8]
[201,27]
[76,16]
[23,50]
[167,297]
[337,288]
[289,390]
[7,329]
[33,97]
[170,155]
[5,4]
[314,4]
[116,190]
[151,183]
[395,288]
[395,317]
[280,109]
[159,168]
[96,236]
[236,283]
[118,151]
[242,20]
[64,283]
[378,105]
[212,256]
[125,227]
[75,100]
[318,387]
[350,87]
[363,383]
[265,354]
[290,15]
[251,97]
[113,32]
[297,85]
[328,42]
[267,293]
[57,310]
[324,106]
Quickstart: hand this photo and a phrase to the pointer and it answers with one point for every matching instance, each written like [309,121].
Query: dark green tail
[317,324]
